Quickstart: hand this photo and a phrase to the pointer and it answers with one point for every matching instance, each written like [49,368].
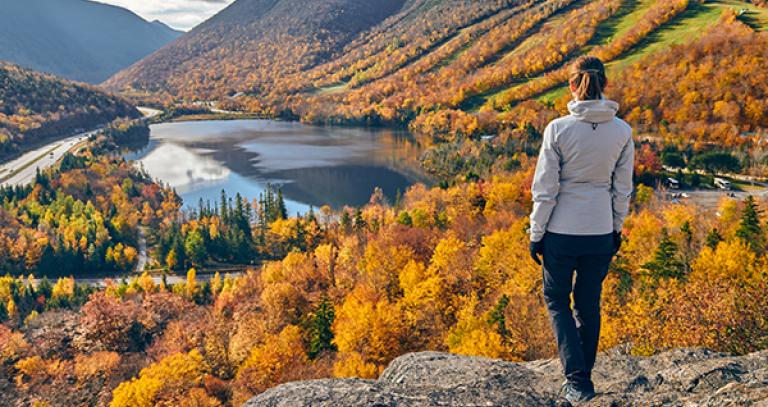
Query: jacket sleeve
[546,184]
[621,187]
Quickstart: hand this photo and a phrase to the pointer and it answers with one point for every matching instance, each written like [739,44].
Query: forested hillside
[81,40]
[252,42]
[34,106]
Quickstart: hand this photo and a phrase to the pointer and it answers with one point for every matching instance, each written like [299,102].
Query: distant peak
[166,26]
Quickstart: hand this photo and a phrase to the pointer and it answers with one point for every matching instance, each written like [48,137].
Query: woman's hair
[587,77]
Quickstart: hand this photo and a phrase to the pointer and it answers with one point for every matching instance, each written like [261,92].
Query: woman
[581,193]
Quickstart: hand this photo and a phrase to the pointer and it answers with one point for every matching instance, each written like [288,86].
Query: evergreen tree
[497,317]
[282,211]
[713,238]
[311,218]
[665,262]
[749,228]
[359,222]
[320,332]
[687,232]
[346,221]
[224,208]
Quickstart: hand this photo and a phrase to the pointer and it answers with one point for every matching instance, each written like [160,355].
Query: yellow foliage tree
[168,379]
[279,359]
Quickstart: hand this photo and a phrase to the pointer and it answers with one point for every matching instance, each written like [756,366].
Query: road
[22,170]
[148,112]
[143,255]
[101,282]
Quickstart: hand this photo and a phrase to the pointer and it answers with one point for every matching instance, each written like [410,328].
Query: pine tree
[498,318]
[320,332]
[346,221]
[282,211]
[749,228]
[224,209]
[713,238]
[665,262]
[359,222]
[311,218]
[687,232]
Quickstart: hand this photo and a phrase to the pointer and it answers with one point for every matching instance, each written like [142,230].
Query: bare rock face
[681,377]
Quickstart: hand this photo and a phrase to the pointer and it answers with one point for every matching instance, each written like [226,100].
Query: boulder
[680,377]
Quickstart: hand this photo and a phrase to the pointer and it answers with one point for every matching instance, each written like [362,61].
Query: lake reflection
[314,165]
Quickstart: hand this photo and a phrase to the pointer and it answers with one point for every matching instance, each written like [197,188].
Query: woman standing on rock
[581,193]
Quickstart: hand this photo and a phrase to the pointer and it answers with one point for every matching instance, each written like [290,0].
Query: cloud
[180,14]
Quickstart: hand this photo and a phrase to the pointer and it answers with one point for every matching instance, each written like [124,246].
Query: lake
[313,165]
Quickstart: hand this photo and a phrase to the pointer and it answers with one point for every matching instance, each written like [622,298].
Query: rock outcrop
[682,377]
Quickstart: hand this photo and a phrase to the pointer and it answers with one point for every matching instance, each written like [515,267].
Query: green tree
[282,211]
[497,317]
[716,162]
[320,332]
[749,228]
[672,159]
[404,218]
[194,247]
[359,221]
[665,262]
[713,238]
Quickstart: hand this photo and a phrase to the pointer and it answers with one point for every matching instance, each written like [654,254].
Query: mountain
[35,106]
[77,39]
[676,377]
[447,67]
[252,42]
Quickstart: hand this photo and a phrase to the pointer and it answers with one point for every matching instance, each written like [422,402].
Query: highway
[22,170]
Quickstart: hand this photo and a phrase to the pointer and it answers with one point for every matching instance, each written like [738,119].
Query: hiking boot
[576,394]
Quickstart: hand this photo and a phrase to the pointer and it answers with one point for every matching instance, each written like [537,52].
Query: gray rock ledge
[680,377]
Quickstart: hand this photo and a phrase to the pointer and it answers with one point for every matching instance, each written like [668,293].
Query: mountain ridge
[80,40]
[260,39]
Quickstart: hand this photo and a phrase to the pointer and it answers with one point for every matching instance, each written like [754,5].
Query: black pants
[577,330]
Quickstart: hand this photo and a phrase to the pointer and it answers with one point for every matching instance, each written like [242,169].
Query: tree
[171,260]
[749,228]
[672,159]
[280,359]
[169,378]
[497,317]
[713,238]
[194,247]
[320,332]
[716,162]
[665,262]
[282,211]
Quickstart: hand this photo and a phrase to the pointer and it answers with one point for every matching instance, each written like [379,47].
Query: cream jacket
[583,179]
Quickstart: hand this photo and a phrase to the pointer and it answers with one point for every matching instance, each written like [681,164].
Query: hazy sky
[180,14]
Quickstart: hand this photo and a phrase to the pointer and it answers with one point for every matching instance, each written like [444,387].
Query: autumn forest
[342,291]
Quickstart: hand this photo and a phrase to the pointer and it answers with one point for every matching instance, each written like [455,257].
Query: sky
[179,14]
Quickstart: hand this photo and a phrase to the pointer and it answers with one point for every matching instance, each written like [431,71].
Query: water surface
[313,165]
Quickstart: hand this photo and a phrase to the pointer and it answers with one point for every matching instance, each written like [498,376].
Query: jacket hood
[593,111]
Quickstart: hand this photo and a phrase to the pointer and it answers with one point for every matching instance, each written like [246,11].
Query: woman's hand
[537,249]
[617,241]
